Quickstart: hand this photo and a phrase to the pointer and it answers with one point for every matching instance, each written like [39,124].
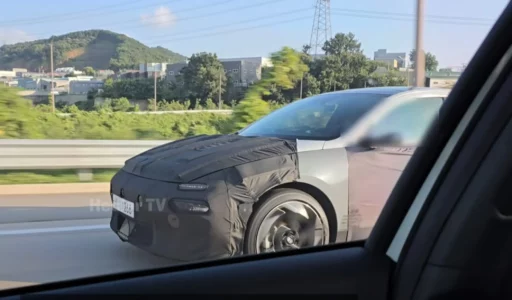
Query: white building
[263,61]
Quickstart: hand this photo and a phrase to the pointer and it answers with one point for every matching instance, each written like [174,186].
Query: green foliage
[89,71]
[344,65]
[52,176]
[98,49]
[116,105]
[17,118]
[389,79]
[249,110]
[173,105]
[431,62]
[203,75]
[287,68]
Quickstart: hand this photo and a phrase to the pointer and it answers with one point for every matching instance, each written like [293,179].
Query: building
[441,79]
[104,74]
[241,72]
[174,70]
[82,87]
[153,68]
[19,71]
[7,74]
[29,83]
[8,82]
[60,85]
[262,61]
[80,78]
[127,74]
[393,59]
[67,70]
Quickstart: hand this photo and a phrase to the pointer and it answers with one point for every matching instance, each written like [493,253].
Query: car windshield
[321,117]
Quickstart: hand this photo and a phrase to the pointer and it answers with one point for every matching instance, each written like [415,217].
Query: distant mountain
[100,49]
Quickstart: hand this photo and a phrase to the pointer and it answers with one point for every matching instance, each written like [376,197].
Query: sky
[454,29]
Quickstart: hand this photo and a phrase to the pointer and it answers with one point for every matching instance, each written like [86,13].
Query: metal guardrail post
[85,174]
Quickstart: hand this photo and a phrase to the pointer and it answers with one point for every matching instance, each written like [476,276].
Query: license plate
[124,206]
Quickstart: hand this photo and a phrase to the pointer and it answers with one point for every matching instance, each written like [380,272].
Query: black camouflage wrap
[237,170]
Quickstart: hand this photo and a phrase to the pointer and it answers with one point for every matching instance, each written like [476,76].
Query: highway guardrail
[179,112]
[81,155]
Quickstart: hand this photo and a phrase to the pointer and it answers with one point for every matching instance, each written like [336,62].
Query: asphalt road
[49,238]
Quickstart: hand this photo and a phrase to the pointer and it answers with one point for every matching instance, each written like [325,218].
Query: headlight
[190,206]
[192,187]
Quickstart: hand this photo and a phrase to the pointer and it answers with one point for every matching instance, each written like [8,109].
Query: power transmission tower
[321,30]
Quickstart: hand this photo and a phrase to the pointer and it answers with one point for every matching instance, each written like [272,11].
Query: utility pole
[419,70]
[301,85]
[154,104]
[220,89]
[51,76]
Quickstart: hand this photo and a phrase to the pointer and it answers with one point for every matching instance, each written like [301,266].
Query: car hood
[191,158]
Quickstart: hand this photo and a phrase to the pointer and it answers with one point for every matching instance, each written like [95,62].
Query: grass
[52,176]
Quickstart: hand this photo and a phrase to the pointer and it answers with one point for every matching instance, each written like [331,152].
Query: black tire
[272,200]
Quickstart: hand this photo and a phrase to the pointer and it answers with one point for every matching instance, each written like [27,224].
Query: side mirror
[388,139]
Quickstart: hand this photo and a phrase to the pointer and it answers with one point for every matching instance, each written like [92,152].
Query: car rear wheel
[286,219]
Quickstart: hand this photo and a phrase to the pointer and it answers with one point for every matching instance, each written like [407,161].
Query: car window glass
[409,121]
[321,117]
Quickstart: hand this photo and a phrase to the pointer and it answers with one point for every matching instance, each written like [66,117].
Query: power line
[392,15]
[302,18]
[197,16]
[410,19]
[68,17]
[411,15]
[280,14]
[13,21]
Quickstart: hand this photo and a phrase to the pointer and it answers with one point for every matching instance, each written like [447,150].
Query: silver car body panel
[328,170]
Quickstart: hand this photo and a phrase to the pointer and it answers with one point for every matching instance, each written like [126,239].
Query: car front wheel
[286,219]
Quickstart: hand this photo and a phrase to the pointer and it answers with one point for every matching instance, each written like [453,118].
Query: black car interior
[459,246]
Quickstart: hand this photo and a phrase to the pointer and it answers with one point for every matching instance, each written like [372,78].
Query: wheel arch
[314,192]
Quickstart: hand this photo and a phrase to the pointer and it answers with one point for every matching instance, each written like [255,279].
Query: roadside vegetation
[293,74]
[51,176]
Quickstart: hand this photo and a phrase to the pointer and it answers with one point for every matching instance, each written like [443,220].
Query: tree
[89,71]
[431,62]
[17,118]
[249,110]
[391,78]
[202,76]
[344,65]
[287,68]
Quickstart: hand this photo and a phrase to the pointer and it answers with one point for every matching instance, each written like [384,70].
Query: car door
[374,169]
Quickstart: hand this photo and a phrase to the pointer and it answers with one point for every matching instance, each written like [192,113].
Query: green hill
[100,49]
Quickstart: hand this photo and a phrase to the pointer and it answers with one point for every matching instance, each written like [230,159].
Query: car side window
[410,121]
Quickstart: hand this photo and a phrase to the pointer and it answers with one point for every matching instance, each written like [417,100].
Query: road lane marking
[53,230]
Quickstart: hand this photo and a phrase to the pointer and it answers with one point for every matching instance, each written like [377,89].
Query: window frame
[402,105]
[380,111]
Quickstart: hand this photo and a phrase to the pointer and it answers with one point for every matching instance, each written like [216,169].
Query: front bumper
[164,229]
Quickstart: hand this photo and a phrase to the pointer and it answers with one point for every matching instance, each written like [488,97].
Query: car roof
[390,90]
